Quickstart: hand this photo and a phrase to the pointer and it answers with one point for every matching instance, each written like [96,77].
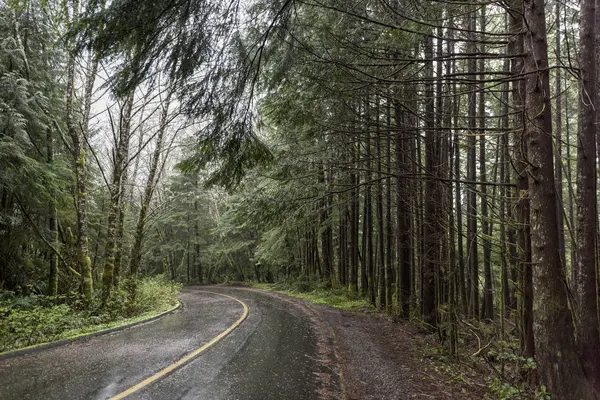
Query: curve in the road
[164,372]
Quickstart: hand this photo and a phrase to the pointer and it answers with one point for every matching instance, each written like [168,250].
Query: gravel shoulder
[378,359]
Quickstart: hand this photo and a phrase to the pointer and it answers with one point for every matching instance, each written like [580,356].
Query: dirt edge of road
[366,356]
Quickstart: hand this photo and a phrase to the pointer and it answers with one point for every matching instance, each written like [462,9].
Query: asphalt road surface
[272,354]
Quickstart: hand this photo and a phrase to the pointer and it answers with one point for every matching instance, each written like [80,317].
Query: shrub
[153,294]
[34,319]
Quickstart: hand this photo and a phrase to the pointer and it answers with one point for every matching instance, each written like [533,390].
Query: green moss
[263,286]
[81,159]
[87,283]
[344,302]
[71,237]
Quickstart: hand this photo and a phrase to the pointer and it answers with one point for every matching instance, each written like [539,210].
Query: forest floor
[34,320]
[380,359]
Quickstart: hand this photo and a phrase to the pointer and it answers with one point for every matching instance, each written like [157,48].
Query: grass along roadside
[30,321]
[337,298]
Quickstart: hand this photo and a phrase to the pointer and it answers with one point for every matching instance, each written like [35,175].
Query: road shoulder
[375,358]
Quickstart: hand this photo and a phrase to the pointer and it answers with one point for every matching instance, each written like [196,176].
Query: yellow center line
[164,372]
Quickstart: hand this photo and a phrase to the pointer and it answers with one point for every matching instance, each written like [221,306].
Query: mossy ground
[337,298]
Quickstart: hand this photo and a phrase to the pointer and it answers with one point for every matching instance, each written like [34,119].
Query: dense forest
[436,158]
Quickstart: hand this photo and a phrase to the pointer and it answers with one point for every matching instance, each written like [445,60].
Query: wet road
[272,354]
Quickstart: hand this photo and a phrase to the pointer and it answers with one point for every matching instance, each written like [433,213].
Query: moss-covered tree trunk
[77,132]
[52,225]
[120,229]
[116,185]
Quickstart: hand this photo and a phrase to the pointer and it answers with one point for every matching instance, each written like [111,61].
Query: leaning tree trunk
[136,251]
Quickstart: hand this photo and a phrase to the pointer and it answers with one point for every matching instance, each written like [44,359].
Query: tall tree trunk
[488,296]
[558,153]
[588,338]
[326,230]
[368,255]
[187,256]
[418,227]
[453,271]
[120,229]
[523,268]
[353,220]
[78,137]
[473,255]
[442,164]
[52,224]
[389,271]
[381,302]
[561,371]
[506,237]
[430,222]
[116,194]
[197,261]
[462,290]
[403,215]
[342,241]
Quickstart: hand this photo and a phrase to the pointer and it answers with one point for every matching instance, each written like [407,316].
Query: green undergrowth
[320,294]
[37,319]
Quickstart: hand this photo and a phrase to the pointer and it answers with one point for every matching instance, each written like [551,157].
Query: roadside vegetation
[319,293]
[35,319]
